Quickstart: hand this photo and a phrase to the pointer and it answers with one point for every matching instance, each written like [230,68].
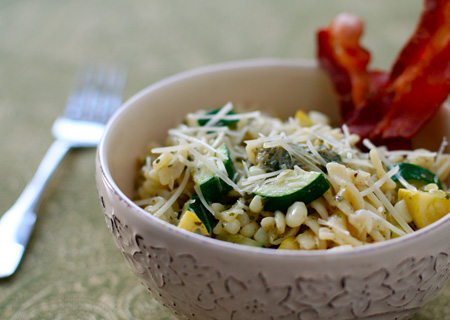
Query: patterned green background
[72,269]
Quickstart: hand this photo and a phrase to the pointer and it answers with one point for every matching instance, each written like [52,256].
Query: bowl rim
[231,65]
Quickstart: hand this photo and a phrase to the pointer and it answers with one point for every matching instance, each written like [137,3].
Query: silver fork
[96,95]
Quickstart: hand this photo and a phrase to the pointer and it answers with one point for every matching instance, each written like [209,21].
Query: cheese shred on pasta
[244,170]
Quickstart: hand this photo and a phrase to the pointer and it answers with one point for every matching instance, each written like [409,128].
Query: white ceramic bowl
[202,278]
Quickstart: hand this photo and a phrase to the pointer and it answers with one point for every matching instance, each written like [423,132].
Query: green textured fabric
[71,269]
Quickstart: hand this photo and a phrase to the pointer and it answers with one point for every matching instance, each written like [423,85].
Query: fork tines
[97,93]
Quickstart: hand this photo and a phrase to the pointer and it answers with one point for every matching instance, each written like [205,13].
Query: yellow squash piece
[425,207]
[289,244]
[303,119]
[189,221]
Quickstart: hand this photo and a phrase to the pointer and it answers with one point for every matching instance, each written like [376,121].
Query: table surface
[72,269]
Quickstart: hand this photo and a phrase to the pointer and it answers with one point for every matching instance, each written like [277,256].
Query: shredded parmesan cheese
[174,196]
[225,158]
[377,185]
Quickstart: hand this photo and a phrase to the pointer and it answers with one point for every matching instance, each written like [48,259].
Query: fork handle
[17,223]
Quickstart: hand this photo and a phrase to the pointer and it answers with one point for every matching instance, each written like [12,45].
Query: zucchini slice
[291,186]
[416,175]
[206,217]
[220,123]
[212,187]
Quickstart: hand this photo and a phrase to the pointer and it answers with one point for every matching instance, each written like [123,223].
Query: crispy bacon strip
[419,82]
[341,55]
[390,111]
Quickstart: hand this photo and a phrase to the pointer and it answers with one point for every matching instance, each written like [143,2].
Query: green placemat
[71,269]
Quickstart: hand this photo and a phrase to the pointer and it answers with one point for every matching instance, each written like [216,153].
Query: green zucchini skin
[307,193]
[416,175]
[196,206]
[221,123]
[212,187]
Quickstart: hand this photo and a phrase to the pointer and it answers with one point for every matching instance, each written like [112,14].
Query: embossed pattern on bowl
[201,278]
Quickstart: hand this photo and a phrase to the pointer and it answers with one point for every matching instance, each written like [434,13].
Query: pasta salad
[250,178]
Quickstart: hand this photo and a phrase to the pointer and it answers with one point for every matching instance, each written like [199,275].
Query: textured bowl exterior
[202,278]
